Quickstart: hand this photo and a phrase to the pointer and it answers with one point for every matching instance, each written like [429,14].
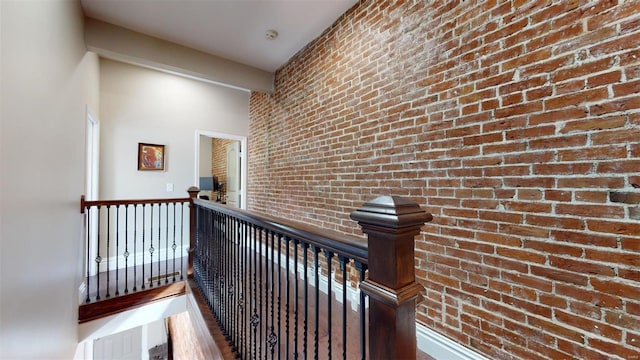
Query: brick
[594,124]
[614,227]
[585,40]
[529,194]
[529,158]
[539,93]
[582,70]
[598,211]
[615,45]
[563,169]
[529,58]
[523,255]
[553,327]
[614,257]
[569,86]
[614,348]
[630,244]
[559,275]
[600,299]
[616,105]
[593,153]
[531,132]
[558,142]
[632,198]
[582,238]
[624,290]
[555,222]
[579,350]
[613,182]
[611,77]
[580,267]
[555,37]
[589,325]
[591,196]
[523,230]
[558,115]
[576,99]
[501,216]
[557,195]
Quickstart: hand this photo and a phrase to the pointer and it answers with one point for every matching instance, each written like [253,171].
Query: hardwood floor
[186,343]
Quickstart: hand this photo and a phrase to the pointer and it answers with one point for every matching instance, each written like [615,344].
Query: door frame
[243,160]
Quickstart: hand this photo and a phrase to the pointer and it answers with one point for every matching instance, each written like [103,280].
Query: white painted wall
[205,156]
[143,105]
[46,81]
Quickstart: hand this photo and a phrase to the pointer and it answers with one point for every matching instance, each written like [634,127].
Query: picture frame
[150,157]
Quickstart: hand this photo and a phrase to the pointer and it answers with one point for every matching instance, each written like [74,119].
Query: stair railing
[134,245]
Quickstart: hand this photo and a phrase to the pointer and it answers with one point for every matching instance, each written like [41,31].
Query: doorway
[221,167]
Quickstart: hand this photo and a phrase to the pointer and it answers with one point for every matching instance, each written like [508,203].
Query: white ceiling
[232,29]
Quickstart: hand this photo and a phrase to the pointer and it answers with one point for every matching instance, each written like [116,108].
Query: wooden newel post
[391,224]
[193,194]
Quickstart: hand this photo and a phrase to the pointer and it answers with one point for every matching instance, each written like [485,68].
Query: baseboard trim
[442,348]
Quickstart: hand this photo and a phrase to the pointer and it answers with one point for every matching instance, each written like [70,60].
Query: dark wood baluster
[166,243]
[287,243]
[329,256]
[343,267]
[98,259]
[231,284]
[261,322]
[108,295]
[363,329]
[88,263]
[254,317]
[151,248]
[295,299]
[135,247]
[159,242]
[126,249]
[173,245]
[117,249]
[305,290]
[227,275]
[279,254]
[182,243]
[218,245]
[244,275]
[316,301]
[272,338]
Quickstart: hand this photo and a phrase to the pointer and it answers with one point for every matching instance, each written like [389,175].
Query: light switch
[169,187]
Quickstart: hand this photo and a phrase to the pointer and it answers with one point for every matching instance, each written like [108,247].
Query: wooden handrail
[352,246]
[89,203]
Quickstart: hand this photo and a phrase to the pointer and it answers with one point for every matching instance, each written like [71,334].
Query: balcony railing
[132,247]
[279,289]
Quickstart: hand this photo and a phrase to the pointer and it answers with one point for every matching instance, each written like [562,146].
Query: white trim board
[442,348]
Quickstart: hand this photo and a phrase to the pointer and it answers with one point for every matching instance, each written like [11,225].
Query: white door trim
[243,160]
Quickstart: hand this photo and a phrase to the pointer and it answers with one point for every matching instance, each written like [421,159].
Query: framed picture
[150,157]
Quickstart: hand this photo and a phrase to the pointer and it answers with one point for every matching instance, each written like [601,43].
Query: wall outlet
[169,187]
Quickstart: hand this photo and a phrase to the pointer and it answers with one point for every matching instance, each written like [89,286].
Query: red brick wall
[219,162]
[219,158]
[516,124]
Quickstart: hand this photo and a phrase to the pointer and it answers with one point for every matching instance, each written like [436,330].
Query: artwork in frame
[150,157]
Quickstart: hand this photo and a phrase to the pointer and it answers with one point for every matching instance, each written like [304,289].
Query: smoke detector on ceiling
[271,34]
